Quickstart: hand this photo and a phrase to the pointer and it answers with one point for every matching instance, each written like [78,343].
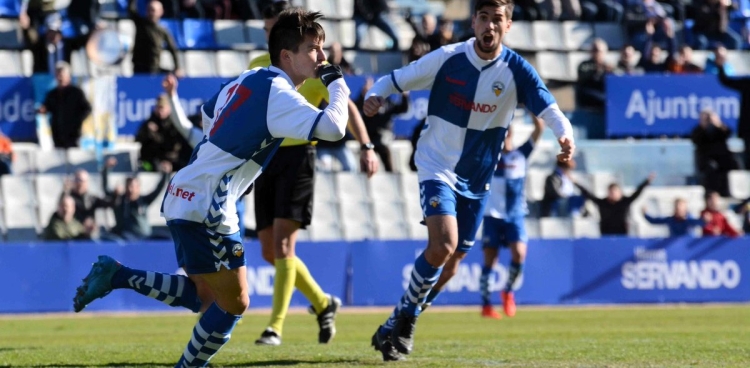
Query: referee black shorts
[285,188]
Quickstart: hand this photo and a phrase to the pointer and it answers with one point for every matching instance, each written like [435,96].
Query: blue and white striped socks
[423,277]
[212,331]
[173,290]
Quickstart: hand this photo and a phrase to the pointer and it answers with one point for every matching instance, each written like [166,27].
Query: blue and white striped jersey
[471,104]
[247,120]
[508,188]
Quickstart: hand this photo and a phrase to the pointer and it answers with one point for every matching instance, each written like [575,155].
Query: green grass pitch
[662,336]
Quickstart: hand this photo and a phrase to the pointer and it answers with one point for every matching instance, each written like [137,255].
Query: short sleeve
[289,114]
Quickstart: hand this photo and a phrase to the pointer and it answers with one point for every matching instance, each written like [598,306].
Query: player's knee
[238,305]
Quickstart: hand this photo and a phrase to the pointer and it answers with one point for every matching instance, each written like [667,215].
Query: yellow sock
[306,284]
[283,287]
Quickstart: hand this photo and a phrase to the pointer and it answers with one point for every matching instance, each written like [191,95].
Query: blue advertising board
[17,109]
[42,277]
[652,105]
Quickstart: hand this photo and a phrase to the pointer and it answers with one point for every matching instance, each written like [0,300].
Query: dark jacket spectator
[63,225]
[558,188]
[130,207]
[741,85]
[414,139]
[149,38]
[712,24]
[627,64]
[743,209]
[680,223]
[86,203]
[68,108]
[160,140]
[443,36]
[47,48]
[420,44]
[614,209]
[83,16]
[373,13]
[716,224]
[590,92]
[712,155]
[651,60]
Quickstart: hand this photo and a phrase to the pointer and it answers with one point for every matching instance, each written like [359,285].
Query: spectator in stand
[716,224]
[336,57]
[712,155]
[420,45]
[681,223]
[181,9]
[743,209]
[528,10]
[627,64]
[602,11]
[86,203]
[48,50]
[6,155]
[682,64]
[590,93]
[642,15]
[68,108]
[741,85]
[373,13]
[563,9]
[149,39]
[559,188]
[718,57]
[129,206]
[651,60]
[443,36]
[712,24]
[380,125]
[63,224]
[160,140]
[614,209]
[84,18]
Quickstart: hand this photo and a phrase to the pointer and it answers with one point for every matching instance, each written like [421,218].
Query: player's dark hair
[274,9]
[290,30]
[508,4]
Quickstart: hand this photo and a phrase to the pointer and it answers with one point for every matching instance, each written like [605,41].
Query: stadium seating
[739,184]
[9,34]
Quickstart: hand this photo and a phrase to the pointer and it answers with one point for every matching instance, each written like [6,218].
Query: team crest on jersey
[238,250]
[434,201]
[498,88]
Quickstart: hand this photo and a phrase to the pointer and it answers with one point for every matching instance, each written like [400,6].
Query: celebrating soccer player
[504,220]
[475,87]
[246,122]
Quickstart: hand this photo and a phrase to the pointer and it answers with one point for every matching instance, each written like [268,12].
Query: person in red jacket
[716,224]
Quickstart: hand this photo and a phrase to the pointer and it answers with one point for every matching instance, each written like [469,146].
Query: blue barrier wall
[42,277]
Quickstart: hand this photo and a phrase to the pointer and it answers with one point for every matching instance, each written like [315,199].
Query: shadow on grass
[264,363]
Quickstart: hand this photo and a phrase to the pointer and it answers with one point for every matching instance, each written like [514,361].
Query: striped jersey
[471,104]
[247,120]
[508,189]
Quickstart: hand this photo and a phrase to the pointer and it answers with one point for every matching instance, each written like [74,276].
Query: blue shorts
[200,250]
[439,199]
[503,232]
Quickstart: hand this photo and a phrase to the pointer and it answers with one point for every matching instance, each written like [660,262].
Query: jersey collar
[478,62]
[282,74]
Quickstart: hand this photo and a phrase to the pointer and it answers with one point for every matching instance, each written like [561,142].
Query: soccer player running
[504,220]
[247,120]
[283,205]
[475,87]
